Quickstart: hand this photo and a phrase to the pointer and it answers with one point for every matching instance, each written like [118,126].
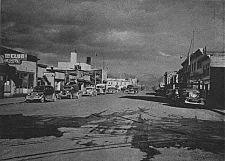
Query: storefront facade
[25,75]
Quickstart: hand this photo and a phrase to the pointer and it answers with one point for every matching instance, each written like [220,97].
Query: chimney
[88,60]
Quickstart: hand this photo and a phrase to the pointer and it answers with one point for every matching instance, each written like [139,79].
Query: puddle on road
[146,135]
[25,127]
[140,142]
[179,133]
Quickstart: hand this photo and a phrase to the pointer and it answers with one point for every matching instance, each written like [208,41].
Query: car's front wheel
[54,98]
[42,100]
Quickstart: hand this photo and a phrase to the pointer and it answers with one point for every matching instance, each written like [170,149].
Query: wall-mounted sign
[48,74]
[14,58]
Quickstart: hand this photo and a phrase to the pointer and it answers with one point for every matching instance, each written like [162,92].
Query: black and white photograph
[112,80]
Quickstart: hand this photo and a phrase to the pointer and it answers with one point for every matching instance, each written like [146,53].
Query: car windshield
[39,88]
[100,87]
[130,86]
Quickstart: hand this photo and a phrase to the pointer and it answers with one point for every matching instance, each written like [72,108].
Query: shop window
[199,65]
[206,70]
[195,66]
[31,80]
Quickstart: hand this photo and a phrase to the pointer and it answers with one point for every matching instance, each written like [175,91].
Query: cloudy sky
[137,37]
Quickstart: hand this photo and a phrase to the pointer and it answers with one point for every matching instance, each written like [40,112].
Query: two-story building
[204,70]
[170,79]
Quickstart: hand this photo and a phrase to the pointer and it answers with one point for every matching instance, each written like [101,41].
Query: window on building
[31,80]
[199,64]
[206,69]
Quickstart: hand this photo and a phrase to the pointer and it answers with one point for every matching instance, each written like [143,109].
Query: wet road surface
[112,127]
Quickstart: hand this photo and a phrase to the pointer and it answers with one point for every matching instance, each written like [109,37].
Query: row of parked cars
[184,95]
[47,93]
[130,89]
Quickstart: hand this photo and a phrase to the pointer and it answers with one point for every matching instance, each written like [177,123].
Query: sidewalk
[11,100]
[219,110]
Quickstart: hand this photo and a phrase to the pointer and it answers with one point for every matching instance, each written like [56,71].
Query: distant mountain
[149,80]
[123,75]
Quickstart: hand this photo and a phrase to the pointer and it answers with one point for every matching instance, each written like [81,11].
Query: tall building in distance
[71,64]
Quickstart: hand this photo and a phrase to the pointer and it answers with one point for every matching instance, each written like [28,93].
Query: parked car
[101,88]
[131,91]
[170,93]
[160,91]
[123,89]
[136,89]
[90,91]
[194,97]
[70,90]
[41,93]
[126,90]
[111,90]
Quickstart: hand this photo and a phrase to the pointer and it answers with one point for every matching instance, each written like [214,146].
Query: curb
[215,110]
[4,104]
[218,111]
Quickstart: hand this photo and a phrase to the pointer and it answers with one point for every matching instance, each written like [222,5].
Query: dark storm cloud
[132,31]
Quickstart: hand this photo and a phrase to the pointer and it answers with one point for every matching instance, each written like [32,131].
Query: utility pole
[193,40]
[223,27]
[95,68]
[102,66]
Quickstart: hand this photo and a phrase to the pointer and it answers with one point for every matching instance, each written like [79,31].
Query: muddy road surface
[114,127]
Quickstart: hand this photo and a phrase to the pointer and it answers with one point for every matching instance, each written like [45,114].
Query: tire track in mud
[176,132]
[146,134]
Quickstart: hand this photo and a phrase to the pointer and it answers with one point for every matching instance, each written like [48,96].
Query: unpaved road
[110,128]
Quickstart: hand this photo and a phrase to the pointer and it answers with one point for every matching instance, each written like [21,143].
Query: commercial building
[170,80]
[23,74]
[40,75]
[120,83]
[217,80]
[73,64]
[81,72]
[204,70]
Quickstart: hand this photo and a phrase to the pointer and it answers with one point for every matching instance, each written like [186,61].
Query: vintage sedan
[194,97]
[101,89]
[90,91]
[111,90]
[41,93]
[131,91]
[69,91]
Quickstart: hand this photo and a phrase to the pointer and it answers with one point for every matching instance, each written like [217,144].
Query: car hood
[37,92]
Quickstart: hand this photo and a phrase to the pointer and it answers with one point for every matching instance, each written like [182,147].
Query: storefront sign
[48,74]
[14,58]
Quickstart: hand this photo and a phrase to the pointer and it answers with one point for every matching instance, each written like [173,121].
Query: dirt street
[116,127]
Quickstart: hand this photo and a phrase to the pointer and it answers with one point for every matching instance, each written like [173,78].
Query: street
[110,127]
